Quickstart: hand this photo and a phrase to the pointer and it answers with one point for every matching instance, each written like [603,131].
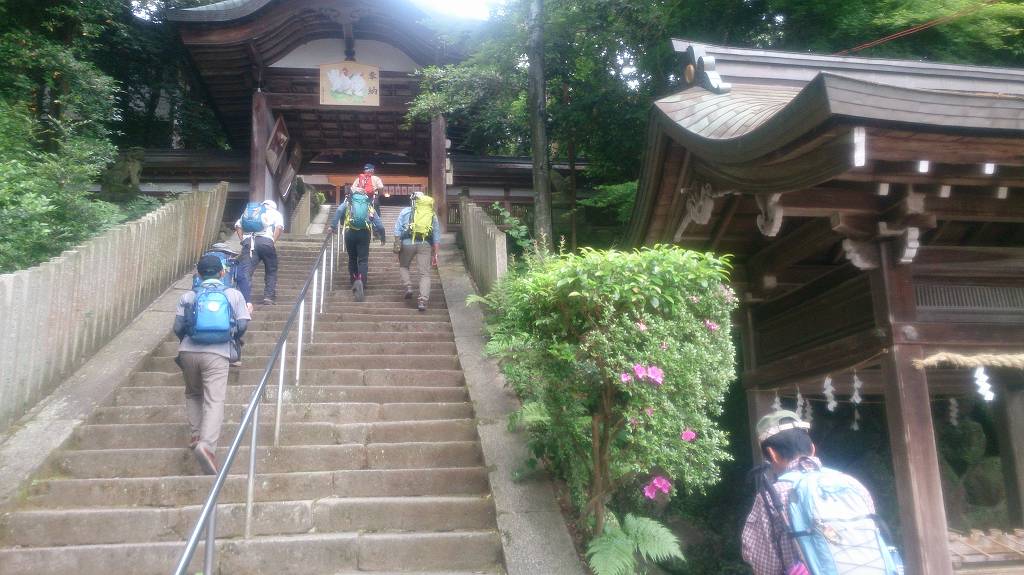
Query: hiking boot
[236,363]
[193,441]
[408,293]
[421,304]
[358,288]
[205,458]
[268,301]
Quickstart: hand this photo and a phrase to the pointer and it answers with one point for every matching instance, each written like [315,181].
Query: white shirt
[378,186]
[272,219]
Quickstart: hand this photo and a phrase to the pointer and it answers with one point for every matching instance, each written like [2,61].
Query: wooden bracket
[862,254]
[699,203]
[769,221]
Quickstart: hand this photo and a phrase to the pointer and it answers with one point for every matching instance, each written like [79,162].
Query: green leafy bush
[622,360]
[515,228]
[617,197]
[620,549]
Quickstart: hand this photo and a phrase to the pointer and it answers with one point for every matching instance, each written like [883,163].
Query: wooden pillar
[1010,424]
[258,148]
[438,187]
[909,417]
[758,403]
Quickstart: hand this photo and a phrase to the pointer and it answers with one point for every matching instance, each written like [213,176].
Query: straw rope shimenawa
[1008,360]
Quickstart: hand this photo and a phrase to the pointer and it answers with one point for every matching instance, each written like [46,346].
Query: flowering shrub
[622,360]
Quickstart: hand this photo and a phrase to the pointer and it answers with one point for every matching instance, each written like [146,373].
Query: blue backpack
[230,267]
[211,321]
[358,216]
[827,516]
[252,217]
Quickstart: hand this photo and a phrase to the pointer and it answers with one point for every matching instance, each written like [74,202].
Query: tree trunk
[538,130]
[572,192]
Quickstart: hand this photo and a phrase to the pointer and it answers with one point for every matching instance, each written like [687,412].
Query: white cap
[270,204]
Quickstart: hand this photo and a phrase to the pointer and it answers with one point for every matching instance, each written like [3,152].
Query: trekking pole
[280,393]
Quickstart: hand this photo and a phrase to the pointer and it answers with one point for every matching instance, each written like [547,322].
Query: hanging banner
[349,84]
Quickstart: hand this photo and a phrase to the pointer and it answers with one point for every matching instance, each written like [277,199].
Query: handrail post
[250,490]
[333,240]
[300,334]
[323,278]
[211,541]
[312,309]
[280,393]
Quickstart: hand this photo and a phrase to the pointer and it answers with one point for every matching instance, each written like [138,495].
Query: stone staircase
[379,468]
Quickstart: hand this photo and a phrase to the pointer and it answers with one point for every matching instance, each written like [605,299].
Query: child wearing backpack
[360,220]
[808,519]
[209,322]
[419,232]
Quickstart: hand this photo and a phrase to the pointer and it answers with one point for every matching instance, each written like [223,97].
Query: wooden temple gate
[258,62]
[876,212]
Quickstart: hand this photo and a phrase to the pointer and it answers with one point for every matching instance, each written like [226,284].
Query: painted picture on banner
[291,168]
[349,84]
[277,145]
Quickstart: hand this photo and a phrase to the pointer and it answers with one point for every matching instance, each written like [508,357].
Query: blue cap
[368,168]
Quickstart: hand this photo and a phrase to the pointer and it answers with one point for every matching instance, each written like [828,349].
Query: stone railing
[486,250]
[54,316]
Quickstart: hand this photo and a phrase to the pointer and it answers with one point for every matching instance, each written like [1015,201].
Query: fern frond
[612,554]
[652,540]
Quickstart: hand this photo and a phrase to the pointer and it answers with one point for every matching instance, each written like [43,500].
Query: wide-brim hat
[223,247]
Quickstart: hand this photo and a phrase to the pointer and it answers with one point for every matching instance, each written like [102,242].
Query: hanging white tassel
[954,412]
[984,388]
[856,399]
[830,394]
[777,404]
[799,404]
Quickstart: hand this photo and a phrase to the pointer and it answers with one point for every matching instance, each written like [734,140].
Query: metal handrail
[207,516]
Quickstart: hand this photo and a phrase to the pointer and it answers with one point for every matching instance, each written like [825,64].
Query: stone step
[151,462]
[300,412]
[370,323]
[339,312]
[444,362]
[321,377]
[312,553]
[255,351]
[174,395]
[193,489]
[46,528]
[255,338]
[147,435]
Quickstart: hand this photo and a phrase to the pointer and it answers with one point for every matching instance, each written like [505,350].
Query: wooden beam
[731,204]
[975,208]
[911,432]
[279,101]
[951,174]
[807,240]
[438,187]
[261,118]
[817,362]
[962,260]
[825,201]
[965,336]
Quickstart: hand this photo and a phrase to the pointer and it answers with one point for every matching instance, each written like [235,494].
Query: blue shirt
[339,216]
[405,219]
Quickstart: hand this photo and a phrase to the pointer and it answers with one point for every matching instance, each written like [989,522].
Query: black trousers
[265,252]
[357,244]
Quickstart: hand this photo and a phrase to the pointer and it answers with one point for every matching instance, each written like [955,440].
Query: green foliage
[620,550]
[572,331]
[617,197]
[514,227]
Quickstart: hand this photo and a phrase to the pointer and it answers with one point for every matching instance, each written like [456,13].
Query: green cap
[770,425]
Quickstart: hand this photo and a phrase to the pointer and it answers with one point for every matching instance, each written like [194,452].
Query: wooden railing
[485,246]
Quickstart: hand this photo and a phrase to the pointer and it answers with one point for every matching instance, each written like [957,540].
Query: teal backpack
[358,216]
[252,217]
[828,519]
[211,320]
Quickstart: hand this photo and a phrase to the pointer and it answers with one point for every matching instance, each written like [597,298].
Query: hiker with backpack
[808,519]
[209,322]
[418,234]
[359,221]
[368,183]
[259,228]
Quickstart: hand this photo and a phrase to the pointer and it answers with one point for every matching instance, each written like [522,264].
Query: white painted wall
[330,50]
[490,191]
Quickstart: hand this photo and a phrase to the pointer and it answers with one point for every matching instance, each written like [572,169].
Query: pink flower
[664,346]
[641,326]
[649,411]
[655,374]
[727,293]
[650,491]
[625,377]
[662,484]
[695,298]
[633,422]
[640,371]
[712,326]
[688,435]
